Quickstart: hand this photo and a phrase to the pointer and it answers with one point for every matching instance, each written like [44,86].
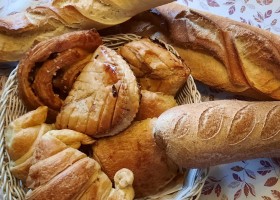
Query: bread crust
[152,104]
[216,132]
[245,57]
[136,150]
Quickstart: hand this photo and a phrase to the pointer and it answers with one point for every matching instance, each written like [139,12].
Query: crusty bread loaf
[216,132]
[24,23]
[245,57]
[220,52]
[135,149]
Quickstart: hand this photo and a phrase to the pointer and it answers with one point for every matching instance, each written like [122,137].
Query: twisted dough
[67,49]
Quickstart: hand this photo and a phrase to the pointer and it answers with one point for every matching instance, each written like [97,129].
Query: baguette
[23,24]
[246,58]
[217,132]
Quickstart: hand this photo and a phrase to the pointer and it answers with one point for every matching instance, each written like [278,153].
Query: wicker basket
[11,107]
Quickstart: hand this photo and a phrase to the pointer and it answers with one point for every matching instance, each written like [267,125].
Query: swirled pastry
[43,63]
[104,99]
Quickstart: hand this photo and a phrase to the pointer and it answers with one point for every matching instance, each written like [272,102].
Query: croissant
[63,172]
[44,62]
[21,136]
[104,99]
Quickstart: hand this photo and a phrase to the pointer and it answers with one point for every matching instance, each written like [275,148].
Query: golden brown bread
[63,172]
[152,104]
[24,23]
[211,133]
[104,99]
[245,57]
[136,150]
[21,136]
[53,54]
[156,68]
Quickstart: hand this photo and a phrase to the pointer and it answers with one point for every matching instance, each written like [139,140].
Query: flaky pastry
[104,99]
[156,68]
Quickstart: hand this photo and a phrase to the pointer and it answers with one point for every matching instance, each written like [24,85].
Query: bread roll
[216,132]
[136,150]
[104,99]
[24,23]
[152,104]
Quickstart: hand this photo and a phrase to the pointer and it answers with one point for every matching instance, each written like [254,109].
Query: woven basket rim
[11,188]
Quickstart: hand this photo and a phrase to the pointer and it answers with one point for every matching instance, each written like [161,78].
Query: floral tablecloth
[250,179]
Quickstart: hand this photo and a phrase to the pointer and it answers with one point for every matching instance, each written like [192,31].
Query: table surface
[250,179]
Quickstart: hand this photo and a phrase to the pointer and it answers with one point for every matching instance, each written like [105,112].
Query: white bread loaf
[217,132]
[23,23]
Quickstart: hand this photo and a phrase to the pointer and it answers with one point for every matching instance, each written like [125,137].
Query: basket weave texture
[11,107]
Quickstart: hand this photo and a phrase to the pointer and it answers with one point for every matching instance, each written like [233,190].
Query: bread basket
[11,107]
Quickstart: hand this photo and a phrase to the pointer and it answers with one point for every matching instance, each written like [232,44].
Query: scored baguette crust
[245,57]
[217,132]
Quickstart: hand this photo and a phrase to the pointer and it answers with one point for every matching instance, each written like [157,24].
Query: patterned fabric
[251,179]
[262,13]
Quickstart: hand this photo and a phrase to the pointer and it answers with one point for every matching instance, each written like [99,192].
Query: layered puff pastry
[156,68]
[152,104]
[63,173]
[52,167]
[21,137]
[104,99]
